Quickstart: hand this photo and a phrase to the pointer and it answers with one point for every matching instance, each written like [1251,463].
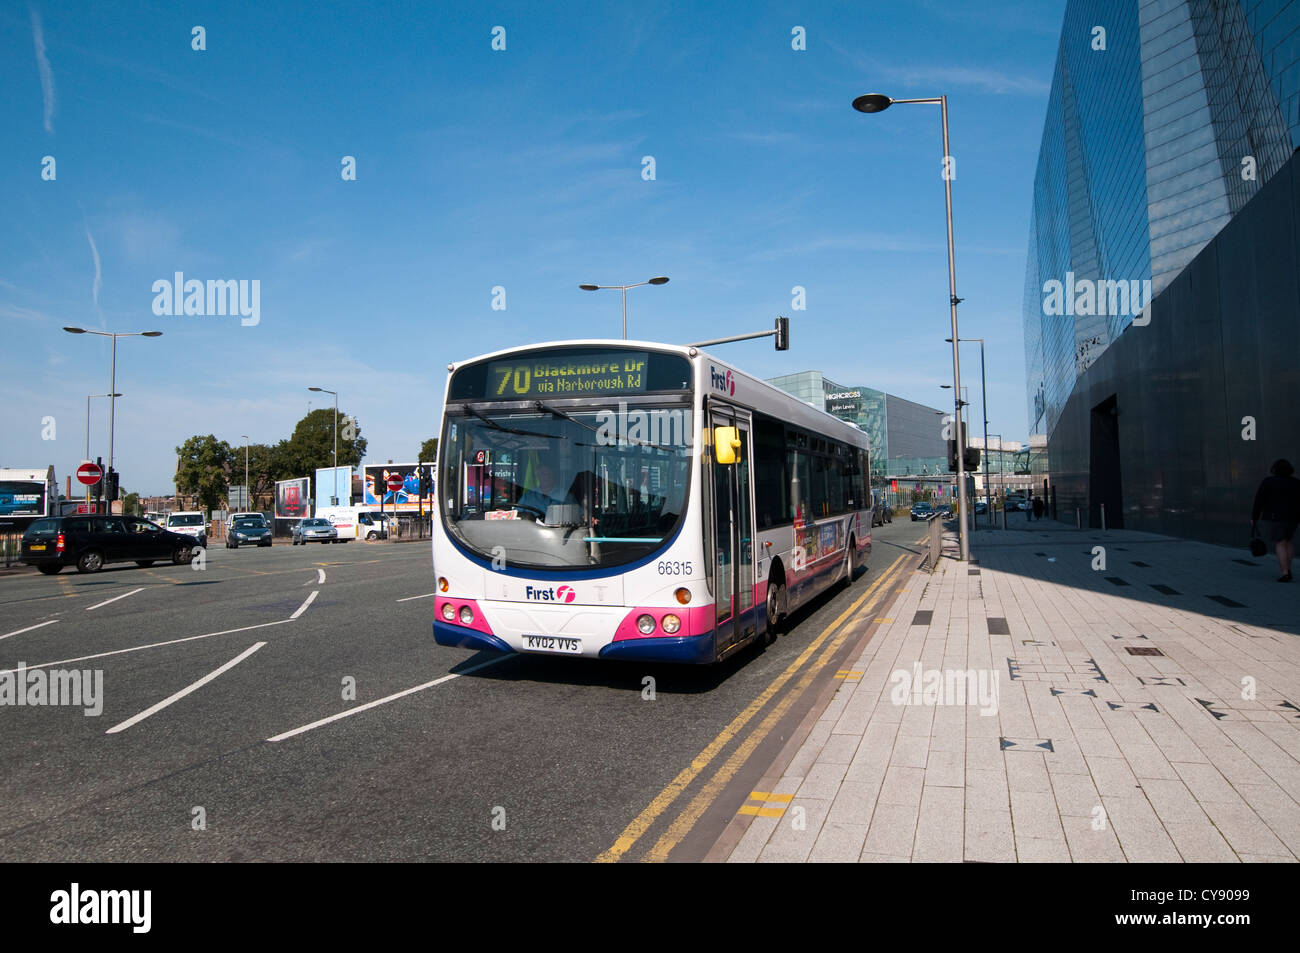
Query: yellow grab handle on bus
[726,444]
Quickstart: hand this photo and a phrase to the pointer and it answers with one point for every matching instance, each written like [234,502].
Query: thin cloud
[47,74]
[940,78]
[99,280]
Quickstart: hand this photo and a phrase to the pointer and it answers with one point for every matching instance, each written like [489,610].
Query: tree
[203,469]
[312,445]
[131,504]
[428,451]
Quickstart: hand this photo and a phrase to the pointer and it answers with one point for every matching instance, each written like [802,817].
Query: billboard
[293,498]
[375,484]
[326,486]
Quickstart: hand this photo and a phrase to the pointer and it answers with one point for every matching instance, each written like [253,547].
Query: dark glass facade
[1158,132]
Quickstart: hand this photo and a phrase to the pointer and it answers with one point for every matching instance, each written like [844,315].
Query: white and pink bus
[629,500]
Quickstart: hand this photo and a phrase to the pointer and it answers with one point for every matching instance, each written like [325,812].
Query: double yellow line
[687,819]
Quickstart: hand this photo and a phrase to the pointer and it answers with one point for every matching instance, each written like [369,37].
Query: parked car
[251,528]
[922,510]
[981,507]
[314,530]
[89,542]
[944,511]
[189,523]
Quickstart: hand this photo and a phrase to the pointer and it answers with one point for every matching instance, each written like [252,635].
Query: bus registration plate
[553,643]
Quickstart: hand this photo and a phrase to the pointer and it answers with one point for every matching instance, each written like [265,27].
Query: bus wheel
[775,604]
[850,562]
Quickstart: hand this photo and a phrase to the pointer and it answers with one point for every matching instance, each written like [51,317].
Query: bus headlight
[645,624]
[671,623]
[448,612]
[466,615]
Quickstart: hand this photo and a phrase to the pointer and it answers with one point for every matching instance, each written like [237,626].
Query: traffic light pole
[781,332]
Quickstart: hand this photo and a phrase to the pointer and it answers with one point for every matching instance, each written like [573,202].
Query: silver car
[314,530]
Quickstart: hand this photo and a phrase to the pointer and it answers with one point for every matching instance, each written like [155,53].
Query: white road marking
[115,598]
[28,629]
[303,608]
[425,596]
[141,648]
[321,580]
[383,701]
[154,709]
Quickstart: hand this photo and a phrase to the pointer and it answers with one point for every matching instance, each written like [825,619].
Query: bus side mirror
[726,444]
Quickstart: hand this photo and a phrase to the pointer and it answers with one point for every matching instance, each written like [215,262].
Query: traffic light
[782,334]
[426,483]
[110,491]
[971,459]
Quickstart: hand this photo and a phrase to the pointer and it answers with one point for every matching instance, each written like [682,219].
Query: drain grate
[972,572]
[998,626]
[1142,650]
[923,617]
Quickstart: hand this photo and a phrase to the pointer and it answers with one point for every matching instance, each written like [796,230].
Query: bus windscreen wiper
[514,430]
[559,413]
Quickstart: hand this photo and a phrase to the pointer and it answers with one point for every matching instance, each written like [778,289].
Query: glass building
[905,438]
[1162,286]
[1165,118]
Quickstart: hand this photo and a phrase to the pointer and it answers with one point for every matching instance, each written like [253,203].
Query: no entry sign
[89,474]
[395,482]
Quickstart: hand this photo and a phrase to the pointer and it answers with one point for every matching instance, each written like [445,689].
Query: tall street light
[334,500]
[661,280]
[874,103]
[247,489]
[112,401]
[87,457]
[984,403]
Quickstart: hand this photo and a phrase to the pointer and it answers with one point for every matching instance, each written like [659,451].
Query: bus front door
[733,545]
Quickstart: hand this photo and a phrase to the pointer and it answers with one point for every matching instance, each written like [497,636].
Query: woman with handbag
[1276,513]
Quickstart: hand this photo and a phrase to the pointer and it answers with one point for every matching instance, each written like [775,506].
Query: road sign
[237,496]
[89,474]
[395,482]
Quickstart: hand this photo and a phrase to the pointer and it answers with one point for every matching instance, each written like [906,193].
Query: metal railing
[933,544]
[10,548]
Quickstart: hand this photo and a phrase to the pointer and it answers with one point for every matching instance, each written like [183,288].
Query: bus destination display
[622,372]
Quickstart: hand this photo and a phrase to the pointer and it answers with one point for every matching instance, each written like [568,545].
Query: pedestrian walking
[1038,507]
[1277,512]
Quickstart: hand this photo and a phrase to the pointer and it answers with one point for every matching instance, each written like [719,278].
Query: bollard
[1078,518]
[1103,517]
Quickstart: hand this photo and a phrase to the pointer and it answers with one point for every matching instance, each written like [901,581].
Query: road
[227,732]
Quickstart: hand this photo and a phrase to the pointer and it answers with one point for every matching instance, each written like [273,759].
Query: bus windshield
[551,487]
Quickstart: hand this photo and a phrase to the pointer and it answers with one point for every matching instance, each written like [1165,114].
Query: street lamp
[984,403]
[87,457]
[112,401]
[877,102]
[247,489]
[661,280]
[334,500]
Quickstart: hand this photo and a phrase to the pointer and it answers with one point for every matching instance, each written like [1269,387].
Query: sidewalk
[1144,711]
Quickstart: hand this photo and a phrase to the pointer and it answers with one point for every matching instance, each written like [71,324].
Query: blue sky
[476,168]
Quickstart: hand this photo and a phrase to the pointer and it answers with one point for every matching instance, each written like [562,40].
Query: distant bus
[25,496]
[628,500]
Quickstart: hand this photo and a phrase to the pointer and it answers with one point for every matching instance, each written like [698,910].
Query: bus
[26,496]
[630,500]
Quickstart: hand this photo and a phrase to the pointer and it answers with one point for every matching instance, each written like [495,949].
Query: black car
[89,542]
[922,510]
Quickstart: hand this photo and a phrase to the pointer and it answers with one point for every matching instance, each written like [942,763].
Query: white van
[190,523]
[354,522]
